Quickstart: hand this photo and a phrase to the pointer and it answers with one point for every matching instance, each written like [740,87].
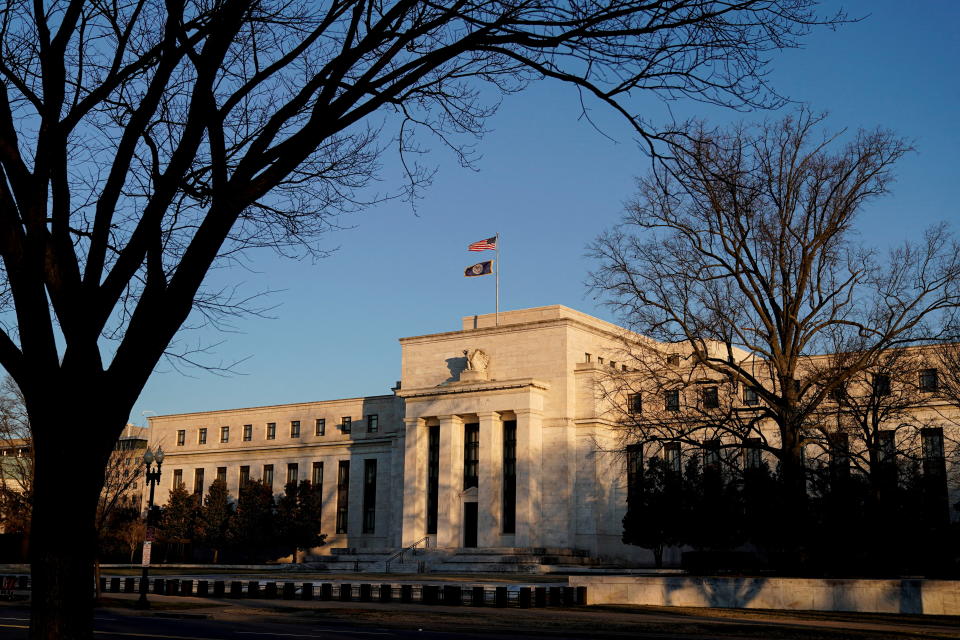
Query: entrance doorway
[469,524]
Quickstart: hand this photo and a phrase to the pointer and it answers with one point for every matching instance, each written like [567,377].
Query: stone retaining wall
[934,597]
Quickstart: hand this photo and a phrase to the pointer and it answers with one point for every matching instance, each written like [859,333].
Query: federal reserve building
[500,435]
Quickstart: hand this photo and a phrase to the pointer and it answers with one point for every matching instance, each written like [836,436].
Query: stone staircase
[510,560]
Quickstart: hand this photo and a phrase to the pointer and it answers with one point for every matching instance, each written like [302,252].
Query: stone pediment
[479,386]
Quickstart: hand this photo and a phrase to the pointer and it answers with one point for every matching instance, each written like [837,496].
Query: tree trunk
[62,544]
[658,556]
[69,464]
[793,482]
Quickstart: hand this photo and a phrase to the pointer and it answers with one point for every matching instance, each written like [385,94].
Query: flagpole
[497,244]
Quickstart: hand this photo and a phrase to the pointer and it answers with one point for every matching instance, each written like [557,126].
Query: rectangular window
[293,473]
[751,453]
[887,446]
[202,435]
[839,457]
[317,478]
[271,431]
[671,456]
[750,397]
[222,474]
[711,398]
[181,437]
[224,434]
[247,432]
[369,495]
[346,424]
[839,393]
[634,473]
[294,428]
[881,384]
[929,381]
[321,427]
[673,360]
[268,475]
[934,499]
[198,481]
[932,445]
[509,476]
[373,423]
[343,495]
[471,455]
[177,478]
[433,477]
[711,454]
[244,475]
[634,403]
[672,400]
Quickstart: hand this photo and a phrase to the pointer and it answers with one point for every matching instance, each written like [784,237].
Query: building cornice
[350,444]
[266,407]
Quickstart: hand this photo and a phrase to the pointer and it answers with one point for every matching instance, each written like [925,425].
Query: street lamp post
[152,477]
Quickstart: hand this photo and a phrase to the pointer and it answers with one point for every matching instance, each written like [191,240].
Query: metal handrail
[399,554]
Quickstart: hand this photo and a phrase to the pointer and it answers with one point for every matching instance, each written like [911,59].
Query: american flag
[483,245]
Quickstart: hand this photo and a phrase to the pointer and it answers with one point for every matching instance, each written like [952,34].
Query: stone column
[413,482]
[529,477]
[490,489]
[450,507]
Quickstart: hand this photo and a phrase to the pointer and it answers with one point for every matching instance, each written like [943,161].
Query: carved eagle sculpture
[477,360]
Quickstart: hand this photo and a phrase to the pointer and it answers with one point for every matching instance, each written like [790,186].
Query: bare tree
[738,251]
[144,142]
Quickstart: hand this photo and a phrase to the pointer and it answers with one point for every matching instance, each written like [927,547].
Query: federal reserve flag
[479,269]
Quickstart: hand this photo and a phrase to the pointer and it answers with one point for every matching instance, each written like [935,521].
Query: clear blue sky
[549,183]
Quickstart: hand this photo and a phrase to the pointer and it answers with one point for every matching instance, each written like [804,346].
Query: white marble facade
[525,378]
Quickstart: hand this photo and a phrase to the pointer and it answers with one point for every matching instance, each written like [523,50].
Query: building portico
[484,495]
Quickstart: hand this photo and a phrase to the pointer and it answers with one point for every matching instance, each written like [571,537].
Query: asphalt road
[252,623]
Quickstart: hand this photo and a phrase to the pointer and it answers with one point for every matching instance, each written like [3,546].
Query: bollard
[326,591]
[203,588]
[478,596]
[346,592]
[523,598]
[115,585]
[253,589]
[428,594]
[219,588]
[501,597]
[128,585]
[270,590]
[540,596]
[236,589]
[158,586]
[406,593]
[289,591]
[306,592]
[581,596]
[365,592]
[569,597]
[103,584]
[452,594]
[386,592]
[186,587]
[556,596]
